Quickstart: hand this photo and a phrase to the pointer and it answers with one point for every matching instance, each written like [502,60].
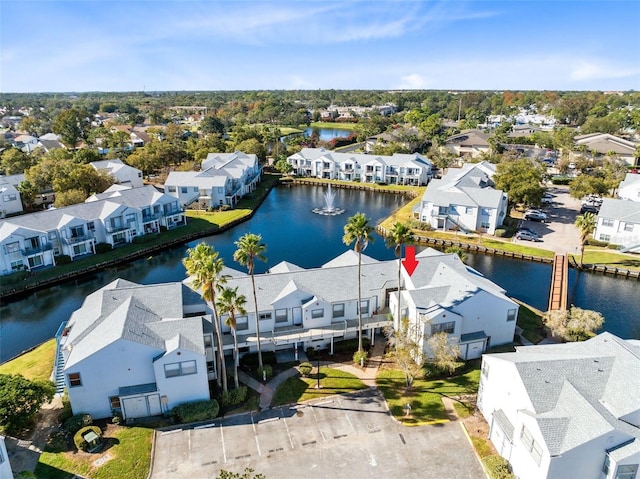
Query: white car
[535,215]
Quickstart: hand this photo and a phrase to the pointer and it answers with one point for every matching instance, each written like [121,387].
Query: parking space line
[347,416]
[287,428]
[258,445]
[253,425]
[224,452]
[316,421]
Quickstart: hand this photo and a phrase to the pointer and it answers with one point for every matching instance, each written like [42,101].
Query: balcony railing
[78,239]
[37,249]
[117,229]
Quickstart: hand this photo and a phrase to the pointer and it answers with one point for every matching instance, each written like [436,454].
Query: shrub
[103,248]
[595,242]
[117,418]
[196,411]
[497,467]
[265,372]
[613,246]
[77,422]
[360,357]
[560,180]
[63,259]
[78,437]
[233,397]
[311,352]
[500,232]
[305,369]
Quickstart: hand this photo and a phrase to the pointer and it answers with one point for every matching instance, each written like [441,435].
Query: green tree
[358,231]
[69,197]
[283,166]
[399,235]
[73,126]
[521,180]
[205,267]
[585,223]
[574,324]
[28,194]
[15,161]
[249,248]
[252,146]
[212,124]
[584,185]
[74,176]
[20,400]
[458,251]
[230,302]
[444,353]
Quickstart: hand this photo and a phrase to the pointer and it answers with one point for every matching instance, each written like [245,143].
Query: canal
[292,232]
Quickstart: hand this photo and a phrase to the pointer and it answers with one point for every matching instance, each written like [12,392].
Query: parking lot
[350,436]
[558,233]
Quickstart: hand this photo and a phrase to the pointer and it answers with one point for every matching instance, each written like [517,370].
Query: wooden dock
[559,283]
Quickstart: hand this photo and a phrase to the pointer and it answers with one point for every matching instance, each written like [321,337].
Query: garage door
[135,407]
[474,350]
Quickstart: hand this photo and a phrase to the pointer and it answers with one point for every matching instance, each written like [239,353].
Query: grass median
[300,389]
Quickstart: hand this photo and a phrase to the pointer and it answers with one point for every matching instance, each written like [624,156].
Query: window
[114,403]
[485,225]
[531,445]
[626,471]
[606,465]
[77,231]
[442,210]
[171,189]
[180,369]
[208,341]
[9,197]
[184,190]
[35,261]
[443,327]
[604,237]
[628,227]
[607,222]
[242,323]
[74,380]
[338,310]
[486,212]
[485,369]
[13,247]
[317,313]
[281,316]
[17,265]
[468,210]
[131,219]
[264,316]
[51,235]
[364,306]
[91,226]
[511,314]
[79,249]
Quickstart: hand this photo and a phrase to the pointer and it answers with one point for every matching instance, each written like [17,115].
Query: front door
[297,316]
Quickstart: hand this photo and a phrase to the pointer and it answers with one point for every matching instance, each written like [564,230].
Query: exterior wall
[5,466]
[10,202]
[485,312]
[181,389]
[17,247]
[185,198]
[130,176]
[123,363]
[616,233]
[630,192]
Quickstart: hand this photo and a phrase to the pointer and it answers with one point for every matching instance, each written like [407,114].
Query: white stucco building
[566,411]
[618,223]
[629,188]
[465,199]
[123,174]
[10,201]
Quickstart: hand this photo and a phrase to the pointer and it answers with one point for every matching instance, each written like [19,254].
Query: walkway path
[367,374]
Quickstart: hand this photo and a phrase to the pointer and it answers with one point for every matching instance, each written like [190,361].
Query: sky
[152,45]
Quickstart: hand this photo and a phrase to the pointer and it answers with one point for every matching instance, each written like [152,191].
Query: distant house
[400,168]
[618,223]
[5,466]
[10,201]
[409,138]
[565,410]
[223,180]
[629,188]
[464,199]
[123,174]
[471,143]
[130,350]
[604,143]
[26,143]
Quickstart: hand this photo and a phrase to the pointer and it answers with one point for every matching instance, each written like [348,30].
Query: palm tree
[204,265]
[399,235]
[229,302]
[586,223]
[358,231]
[250,248]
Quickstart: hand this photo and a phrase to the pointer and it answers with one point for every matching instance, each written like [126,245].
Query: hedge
[233,397]
[497,467]
[77,422]
[196,411]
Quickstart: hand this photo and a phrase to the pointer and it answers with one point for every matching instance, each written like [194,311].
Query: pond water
[292,232]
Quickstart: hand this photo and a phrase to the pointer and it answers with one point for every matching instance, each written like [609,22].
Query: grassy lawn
[128,451]
[332,381]
[609,258]
[530,320]
[337,126]
[425,395]
[36,364]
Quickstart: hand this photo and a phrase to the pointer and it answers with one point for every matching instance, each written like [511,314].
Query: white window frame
[338,310]
[182,368]
[317,313]
[282,315]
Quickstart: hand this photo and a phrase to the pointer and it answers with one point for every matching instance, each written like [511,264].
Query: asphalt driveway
[350,436]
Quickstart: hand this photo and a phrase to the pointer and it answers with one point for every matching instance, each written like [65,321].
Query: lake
[292,232]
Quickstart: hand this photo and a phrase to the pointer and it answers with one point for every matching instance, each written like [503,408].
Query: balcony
[30,251]
[117,229]
[78,239]
[151,217]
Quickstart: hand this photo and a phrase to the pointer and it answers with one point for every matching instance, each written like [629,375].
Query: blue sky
[88,45]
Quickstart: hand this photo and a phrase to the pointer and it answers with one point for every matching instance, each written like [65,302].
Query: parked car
[589,209]
[535,215]
[546,200]
[524,229]
[527,236]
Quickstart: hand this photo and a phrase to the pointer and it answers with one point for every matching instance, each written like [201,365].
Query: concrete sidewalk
[367,374]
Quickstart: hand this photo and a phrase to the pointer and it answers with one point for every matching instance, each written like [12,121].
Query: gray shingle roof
[628,211]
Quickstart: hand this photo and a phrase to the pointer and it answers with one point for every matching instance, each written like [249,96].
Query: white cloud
[412,82]
[587,70]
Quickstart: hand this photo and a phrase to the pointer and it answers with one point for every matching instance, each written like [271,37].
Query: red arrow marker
[409,262]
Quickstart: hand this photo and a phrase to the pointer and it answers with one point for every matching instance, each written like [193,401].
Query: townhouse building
[464,199]
[618,223]
[115,217]
[398,169]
